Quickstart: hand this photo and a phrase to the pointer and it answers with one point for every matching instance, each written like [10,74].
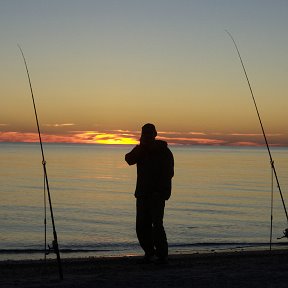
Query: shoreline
[34,255]
[258,268]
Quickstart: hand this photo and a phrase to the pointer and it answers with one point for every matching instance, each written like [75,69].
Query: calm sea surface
[221,199]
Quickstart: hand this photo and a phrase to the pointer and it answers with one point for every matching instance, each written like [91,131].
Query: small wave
[39,251]
[131,246]
[209,246]
[218,244]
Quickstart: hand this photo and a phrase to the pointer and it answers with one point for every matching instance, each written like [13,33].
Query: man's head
[149,133]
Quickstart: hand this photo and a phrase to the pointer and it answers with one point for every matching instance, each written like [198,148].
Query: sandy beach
[221,269]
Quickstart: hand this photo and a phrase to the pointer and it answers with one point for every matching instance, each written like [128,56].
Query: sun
[117,141]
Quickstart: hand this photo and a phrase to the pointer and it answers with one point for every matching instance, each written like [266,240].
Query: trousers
[149,226]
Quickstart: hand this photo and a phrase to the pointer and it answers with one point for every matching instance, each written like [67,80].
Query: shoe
[146,259]
[161,261]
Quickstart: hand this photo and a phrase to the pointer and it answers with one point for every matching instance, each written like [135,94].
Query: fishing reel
[285,234]
[52,248]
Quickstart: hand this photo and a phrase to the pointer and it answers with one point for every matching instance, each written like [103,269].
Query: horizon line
[131,144]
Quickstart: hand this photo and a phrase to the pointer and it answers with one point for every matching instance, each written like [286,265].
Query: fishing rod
[55,246]
[285,232]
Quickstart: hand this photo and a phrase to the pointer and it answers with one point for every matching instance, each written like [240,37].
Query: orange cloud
[34,137]
[18,137]
[122,137]
[243,143]
[255,134]
[59,125]
[192,141]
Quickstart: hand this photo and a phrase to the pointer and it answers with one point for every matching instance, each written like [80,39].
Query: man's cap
[149,129]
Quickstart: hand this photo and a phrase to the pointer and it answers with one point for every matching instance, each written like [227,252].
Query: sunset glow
[102,69]
[120,137]
[94,137]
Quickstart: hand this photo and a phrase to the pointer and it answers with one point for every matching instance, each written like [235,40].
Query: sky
[101,69]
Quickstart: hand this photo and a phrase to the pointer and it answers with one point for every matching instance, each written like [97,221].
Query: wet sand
[221,269]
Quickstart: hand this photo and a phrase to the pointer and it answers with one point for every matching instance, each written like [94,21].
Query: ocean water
[221,199]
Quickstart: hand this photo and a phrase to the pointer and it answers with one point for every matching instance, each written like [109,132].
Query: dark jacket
[155,169]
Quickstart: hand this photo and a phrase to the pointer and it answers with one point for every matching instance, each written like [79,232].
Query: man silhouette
[155,169]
